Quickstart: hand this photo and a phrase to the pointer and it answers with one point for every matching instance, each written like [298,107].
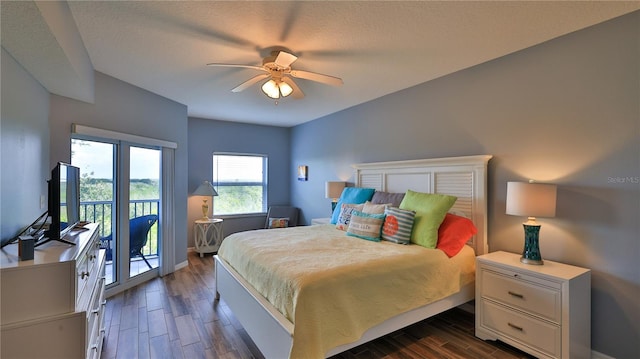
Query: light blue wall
[124,108]
[566,111]
[24,130]
[208,136]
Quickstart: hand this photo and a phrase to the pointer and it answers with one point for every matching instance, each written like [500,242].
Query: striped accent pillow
[366,225]
[398,225]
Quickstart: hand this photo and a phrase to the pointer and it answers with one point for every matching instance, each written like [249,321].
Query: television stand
[39,243]
[57,298]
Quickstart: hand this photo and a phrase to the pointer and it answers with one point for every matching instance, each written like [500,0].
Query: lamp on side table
[206,190]
[531,200]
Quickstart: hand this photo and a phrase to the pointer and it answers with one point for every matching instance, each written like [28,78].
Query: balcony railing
[102,211]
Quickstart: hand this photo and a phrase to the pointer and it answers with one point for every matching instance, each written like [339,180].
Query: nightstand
[544,310]
[207,235]
[321,221]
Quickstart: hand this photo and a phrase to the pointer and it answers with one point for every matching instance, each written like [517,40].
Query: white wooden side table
[544,310]
[208,235]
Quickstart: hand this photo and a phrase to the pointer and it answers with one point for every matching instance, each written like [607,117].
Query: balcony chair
[283,212]
[138,233]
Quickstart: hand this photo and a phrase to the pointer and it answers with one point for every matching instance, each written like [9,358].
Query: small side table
[208,235]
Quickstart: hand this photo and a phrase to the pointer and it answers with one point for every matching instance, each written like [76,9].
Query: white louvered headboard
[464,177]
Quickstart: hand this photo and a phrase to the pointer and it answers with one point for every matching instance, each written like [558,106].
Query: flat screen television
[64,201]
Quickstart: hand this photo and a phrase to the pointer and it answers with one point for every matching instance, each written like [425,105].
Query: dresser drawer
[92,256]
[87,273]
[82,280]
[536,334]
[95,319]
[95,309]
[516,291]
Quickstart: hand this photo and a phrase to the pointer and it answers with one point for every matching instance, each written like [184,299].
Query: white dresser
[544,310]
[53,305]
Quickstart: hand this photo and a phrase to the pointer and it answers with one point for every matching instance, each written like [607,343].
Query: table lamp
[205,189]
[333,190]
[531,200]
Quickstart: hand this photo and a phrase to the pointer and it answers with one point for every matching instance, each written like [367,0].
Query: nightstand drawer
[520,293]
[536,334]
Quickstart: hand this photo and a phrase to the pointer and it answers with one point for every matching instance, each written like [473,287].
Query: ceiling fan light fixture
[277,69]
[285,89]
[270,88]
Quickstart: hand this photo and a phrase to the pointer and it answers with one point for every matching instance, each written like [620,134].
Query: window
[241,183]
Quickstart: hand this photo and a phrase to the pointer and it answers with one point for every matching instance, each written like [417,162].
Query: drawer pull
[95,311]
[84,274]
[92,257]
[520,329]
[517,295]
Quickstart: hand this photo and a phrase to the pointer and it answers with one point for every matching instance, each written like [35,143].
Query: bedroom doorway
[120,189]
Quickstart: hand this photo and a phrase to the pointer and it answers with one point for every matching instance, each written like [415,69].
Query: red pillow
[453,233]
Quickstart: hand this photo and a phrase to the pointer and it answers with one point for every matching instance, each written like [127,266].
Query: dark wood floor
[177,317]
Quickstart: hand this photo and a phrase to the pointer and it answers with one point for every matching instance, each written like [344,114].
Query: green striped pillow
[398,224]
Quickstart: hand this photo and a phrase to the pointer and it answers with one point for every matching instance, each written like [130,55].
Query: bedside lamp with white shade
[206,190]
[333,190]
[531,200]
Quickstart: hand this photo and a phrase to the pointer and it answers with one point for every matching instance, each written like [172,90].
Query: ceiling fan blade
[250,82]
[325,79]
[297,93]
[285,59]
[237,65]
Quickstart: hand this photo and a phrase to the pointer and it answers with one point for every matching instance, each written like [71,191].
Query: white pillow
[345,215]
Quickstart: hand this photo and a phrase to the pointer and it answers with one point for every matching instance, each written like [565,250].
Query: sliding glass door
[144,209]
[121,189]
[97,162]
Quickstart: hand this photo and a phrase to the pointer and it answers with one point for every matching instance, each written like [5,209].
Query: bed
[270,323]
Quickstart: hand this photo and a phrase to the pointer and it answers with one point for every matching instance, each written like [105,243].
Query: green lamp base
[531,251]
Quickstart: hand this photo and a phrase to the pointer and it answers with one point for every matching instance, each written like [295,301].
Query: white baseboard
[597,355]
[181,265]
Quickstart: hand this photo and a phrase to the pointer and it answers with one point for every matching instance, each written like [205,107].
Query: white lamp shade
[205,189]
[270,88]
[531,199]
[333,189]
[285,89]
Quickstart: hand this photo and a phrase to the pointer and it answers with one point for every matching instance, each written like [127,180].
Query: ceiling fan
[277,69]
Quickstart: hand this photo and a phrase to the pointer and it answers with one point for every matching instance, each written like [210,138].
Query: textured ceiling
[376,47]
